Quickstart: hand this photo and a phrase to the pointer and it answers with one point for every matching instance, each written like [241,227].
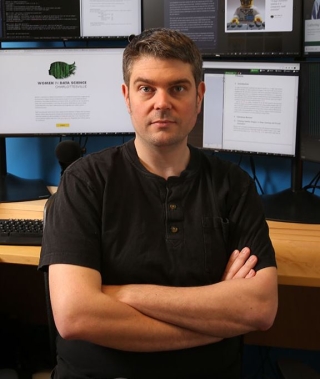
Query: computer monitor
[47,92]
[68,19]
[309,122]
[220,28]
[300,203]
[249,107]
[310,112]
[256,108]
[311,19]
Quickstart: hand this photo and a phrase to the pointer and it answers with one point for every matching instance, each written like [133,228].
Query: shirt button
[174,229]
[172,207]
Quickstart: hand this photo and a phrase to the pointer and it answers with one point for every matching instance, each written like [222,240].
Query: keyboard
[21,232]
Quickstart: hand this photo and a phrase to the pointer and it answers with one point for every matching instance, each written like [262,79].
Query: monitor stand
[292,206]
[13,188]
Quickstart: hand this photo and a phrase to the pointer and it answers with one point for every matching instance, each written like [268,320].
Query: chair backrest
[51,324]
[294,369]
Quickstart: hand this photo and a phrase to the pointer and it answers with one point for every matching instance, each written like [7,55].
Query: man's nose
[162,100]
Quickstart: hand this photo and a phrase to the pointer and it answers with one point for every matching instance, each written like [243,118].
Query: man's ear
[125,93]
[200,94]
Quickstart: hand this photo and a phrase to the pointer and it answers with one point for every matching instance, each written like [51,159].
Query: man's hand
[241,265]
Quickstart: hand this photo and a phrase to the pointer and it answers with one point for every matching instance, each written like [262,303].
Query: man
[146,279]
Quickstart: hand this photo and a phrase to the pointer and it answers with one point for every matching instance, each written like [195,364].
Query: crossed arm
[158,318]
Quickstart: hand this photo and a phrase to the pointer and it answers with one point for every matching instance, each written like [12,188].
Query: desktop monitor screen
[225,28]
[310,111]
[311,18]
[250,107]
[68,19]
[57,92]
[62,91]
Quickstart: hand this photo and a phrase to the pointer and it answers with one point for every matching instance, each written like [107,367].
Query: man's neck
[164,161]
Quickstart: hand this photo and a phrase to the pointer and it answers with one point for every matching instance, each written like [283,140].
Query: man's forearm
[133,331]
[223,310]
[82,312]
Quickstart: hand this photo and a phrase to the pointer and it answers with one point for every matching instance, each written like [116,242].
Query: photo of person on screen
[315,13]
[246,13]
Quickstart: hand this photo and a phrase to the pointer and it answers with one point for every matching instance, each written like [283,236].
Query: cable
[84,149]
[255,178]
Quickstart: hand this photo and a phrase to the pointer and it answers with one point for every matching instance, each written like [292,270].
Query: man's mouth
[162,122]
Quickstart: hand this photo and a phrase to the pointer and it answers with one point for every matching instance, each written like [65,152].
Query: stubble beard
[164,138]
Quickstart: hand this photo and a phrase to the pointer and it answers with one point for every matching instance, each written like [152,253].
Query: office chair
[8,374]
[51,324]
[294,369]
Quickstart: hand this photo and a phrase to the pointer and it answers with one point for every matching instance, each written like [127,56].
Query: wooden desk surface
[27,255]
[297,246]
[297,249]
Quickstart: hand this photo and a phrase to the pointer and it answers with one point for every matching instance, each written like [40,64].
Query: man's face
[163,100]
[246,3]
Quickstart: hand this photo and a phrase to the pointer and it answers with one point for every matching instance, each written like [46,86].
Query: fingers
[231,261]
[250,274]
[247,267]
[240,265]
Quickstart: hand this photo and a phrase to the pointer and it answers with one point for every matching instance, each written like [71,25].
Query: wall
[34,158]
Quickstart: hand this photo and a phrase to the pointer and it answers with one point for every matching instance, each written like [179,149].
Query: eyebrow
[172,83]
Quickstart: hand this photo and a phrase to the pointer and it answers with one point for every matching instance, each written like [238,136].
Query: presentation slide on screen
[252,113]
[260,16]
[63,91]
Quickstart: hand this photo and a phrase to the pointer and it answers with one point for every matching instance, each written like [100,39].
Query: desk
[297,246]
[22,295]
[297,249]
[26,255]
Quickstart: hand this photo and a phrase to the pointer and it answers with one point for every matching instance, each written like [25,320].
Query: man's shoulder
[224,173]
[219,164]
[94,168]
[102,159]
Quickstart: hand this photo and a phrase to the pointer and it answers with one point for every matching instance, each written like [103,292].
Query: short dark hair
[164,44]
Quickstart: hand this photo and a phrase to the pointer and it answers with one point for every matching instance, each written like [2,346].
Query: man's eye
[178,89]
[145,89]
